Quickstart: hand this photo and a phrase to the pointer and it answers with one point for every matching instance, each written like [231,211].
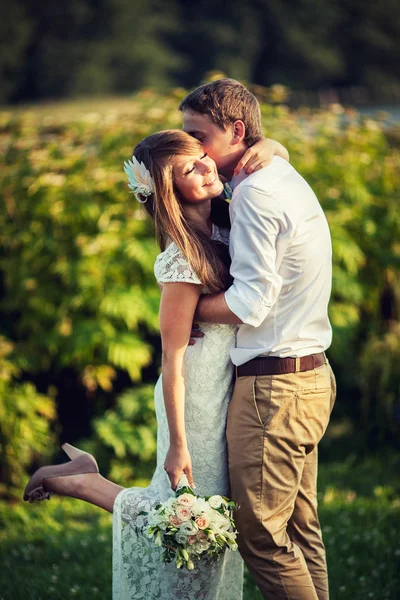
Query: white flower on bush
[188,528]
[215,501]
[183,512]
[186,500]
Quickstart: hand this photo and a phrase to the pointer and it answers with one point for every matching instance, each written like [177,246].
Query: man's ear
[239,132]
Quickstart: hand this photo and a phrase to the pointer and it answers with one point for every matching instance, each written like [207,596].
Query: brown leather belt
[273,365]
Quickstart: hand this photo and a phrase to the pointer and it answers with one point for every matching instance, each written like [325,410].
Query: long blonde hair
[209,259]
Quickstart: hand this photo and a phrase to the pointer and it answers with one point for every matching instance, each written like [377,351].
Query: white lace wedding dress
[138,572]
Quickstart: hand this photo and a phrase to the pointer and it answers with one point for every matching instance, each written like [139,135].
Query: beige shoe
[81,462]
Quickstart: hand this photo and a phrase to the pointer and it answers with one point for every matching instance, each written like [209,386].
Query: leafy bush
[25,417]
[77,284]
[127,434]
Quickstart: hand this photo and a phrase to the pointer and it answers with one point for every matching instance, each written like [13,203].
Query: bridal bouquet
[189,527]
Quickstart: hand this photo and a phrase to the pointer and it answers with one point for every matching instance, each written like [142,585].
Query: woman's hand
[178,461]
[260,155]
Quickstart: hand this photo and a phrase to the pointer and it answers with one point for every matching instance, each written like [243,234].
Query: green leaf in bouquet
[168,556]
[184,490]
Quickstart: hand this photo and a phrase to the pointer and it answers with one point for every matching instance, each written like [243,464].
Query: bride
[176,182]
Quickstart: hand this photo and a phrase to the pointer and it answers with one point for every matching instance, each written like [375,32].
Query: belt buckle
[297,364]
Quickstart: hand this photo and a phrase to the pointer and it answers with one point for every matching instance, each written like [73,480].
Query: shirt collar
[236,179]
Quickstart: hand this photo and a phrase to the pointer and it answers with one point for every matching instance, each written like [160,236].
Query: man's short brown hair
[227,101]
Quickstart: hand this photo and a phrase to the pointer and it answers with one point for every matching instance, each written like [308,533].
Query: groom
[284,392]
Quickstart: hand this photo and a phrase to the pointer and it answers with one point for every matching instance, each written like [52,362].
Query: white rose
[200,547]
[215,501]
[188,528]
[181,538]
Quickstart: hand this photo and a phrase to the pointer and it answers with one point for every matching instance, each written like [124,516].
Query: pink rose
[186,500]
[201,536]
[183,513]
[191,539]
[175,521]
[202,522]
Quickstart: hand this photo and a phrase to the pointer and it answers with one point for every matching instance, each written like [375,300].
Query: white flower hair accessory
[139,178]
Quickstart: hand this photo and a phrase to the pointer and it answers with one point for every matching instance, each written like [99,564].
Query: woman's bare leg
[90,487]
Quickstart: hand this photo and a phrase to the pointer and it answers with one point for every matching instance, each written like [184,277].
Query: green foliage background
[79,303]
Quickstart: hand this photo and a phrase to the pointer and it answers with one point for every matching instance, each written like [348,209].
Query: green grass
[92,108]
[62,549]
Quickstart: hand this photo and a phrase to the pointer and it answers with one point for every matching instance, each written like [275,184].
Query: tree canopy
[82,47]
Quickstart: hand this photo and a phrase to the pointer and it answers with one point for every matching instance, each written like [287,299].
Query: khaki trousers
[274,425]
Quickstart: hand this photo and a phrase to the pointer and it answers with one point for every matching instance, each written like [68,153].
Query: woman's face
[196,177]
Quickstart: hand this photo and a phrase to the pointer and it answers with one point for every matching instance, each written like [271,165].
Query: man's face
[216,141]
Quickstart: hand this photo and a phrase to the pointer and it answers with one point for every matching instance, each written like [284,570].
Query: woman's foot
[79,478]
[62,479]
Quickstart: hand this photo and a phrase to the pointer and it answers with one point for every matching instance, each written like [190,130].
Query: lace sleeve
[171,266]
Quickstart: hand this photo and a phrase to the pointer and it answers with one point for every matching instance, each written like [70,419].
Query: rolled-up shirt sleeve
[257,220]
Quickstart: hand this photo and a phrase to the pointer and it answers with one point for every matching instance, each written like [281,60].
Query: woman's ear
[239,132]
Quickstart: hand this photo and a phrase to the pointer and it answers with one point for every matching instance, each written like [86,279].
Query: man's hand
[195,333]
[176,463]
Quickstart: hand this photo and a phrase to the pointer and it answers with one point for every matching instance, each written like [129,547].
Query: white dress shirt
[281,254]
